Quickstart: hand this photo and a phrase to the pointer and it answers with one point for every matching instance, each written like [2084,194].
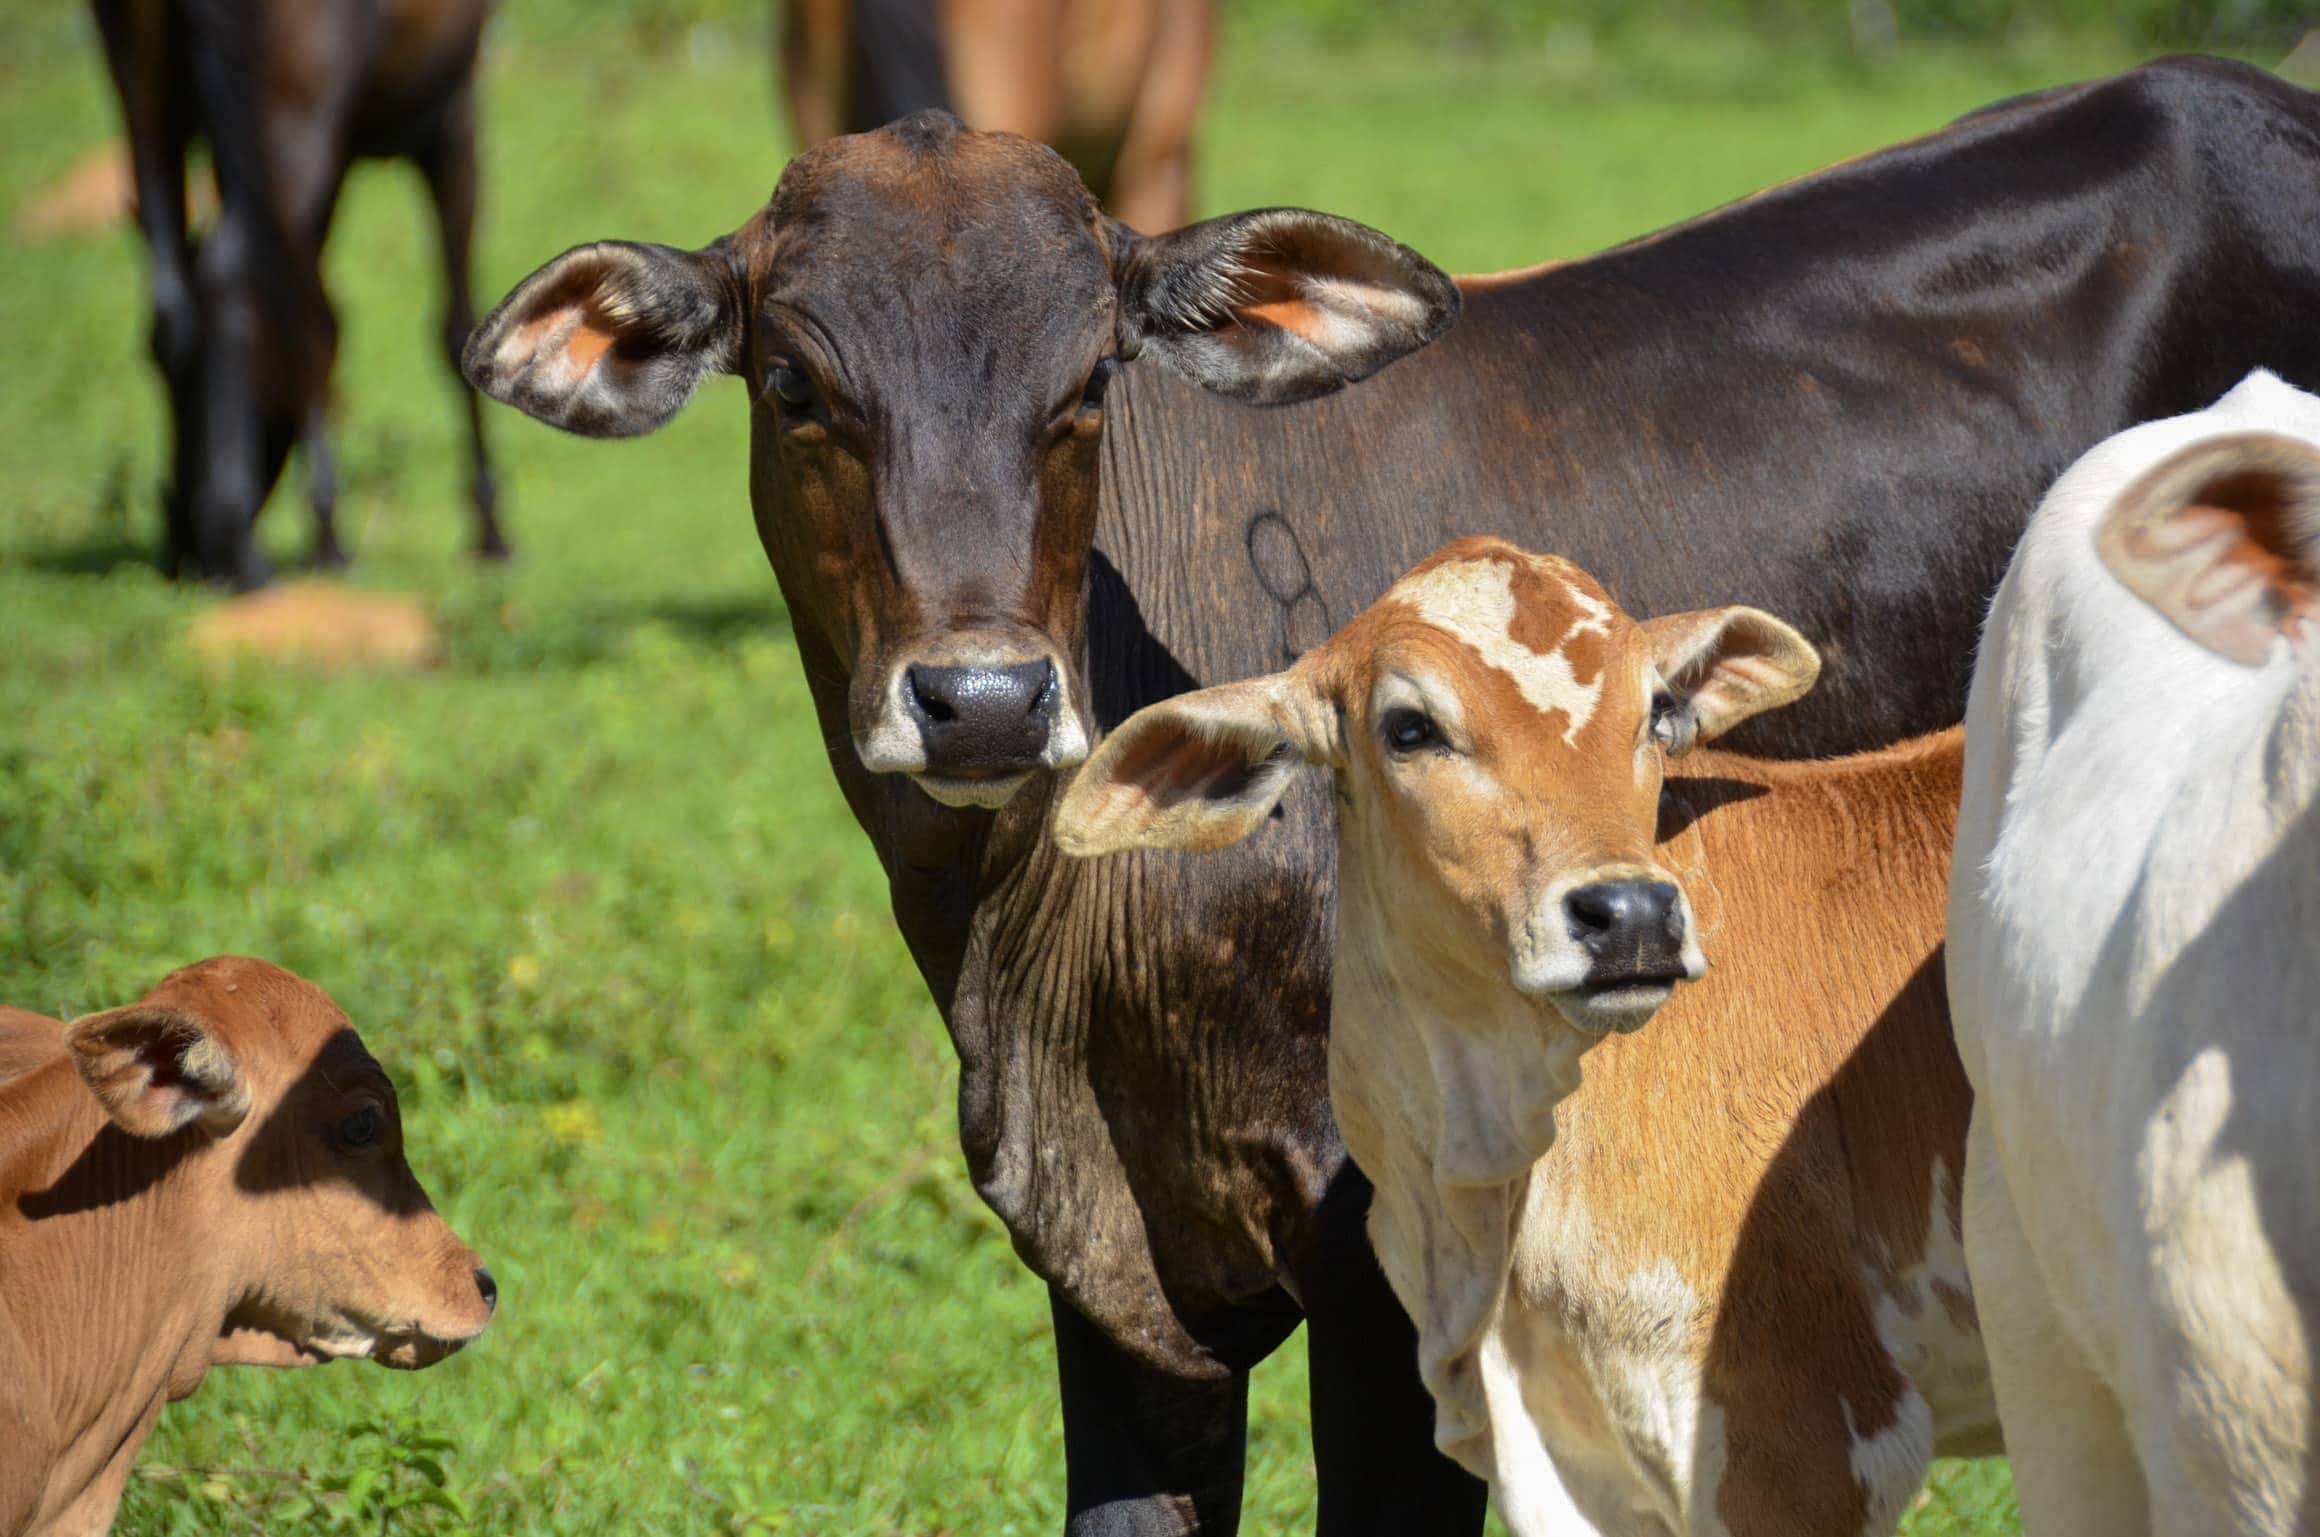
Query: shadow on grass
[506,638]
[96,554]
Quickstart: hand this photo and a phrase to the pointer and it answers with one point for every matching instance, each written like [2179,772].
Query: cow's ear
[1277,305]
[610,339]
[1196,772]
[158,1068]
[1722,665]
[2224,539]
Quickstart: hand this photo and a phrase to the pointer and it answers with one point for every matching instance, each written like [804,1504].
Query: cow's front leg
[1148,1454]
[1373,1420]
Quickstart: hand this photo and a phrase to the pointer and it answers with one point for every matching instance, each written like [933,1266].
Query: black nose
[489,1287]
[983,719]
[1631,930]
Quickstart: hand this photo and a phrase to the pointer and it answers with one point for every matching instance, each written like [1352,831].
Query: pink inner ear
[1292,315]
[587,344]
[574,336]
[2222,569]
[1171,767]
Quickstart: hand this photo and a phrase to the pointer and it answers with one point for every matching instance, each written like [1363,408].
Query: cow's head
[927,319]
[1497,728]
[327,1245]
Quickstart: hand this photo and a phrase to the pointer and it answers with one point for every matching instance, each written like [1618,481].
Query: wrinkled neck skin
[1450,1187]
[109,1307]
[1144,1116]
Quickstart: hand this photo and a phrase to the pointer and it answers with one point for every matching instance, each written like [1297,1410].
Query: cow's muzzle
[970,730]
[1608,951]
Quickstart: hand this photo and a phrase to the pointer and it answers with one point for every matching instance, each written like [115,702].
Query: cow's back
[1839,400]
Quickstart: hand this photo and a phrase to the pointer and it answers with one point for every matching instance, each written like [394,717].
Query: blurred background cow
[286,94]
[1114,84]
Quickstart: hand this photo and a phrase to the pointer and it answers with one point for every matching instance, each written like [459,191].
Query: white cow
[2134,967]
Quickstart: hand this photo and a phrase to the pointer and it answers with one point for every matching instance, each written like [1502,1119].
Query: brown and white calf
[212,1175]
[1704,1277]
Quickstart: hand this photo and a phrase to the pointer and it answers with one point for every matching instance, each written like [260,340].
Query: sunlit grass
[589,889]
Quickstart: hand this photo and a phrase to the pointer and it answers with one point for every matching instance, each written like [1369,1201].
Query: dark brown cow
[1839,399]
[288,94]
[1114,84]
[210,1176]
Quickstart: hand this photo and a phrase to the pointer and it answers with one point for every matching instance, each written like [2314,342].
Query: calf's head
[926,320]
[1497,728]
[329,1247]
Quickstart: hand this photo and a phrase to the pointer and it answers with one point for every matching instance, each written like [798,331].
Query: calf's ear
[1280,304]
[157,1069]
[2223,539]
[1726,664]
[610,339]
[1196,772]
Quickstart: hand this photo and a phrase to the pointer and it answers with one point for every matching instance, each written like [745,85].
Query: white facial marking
[891,745]
[1473,600]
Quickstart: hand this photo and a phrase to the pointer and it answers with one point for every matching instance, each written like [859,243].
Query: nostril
[1591,911]
[490,1289]
[932,699]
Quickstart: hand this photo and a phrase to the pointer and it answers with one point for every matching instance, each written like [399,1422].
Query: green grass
[589,889]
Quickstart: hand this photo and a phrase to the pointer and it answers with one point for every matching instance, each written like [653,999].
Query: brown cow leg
[1151,181]
[1373,1421]
[449,165]
[1146,1454]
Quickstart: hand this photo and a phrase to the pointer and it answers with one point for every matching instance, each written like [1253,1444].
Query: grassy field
[588,888]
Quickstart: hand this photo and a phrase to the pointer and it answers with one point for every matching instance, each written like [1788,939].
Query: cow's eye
[1092,398]
[790,386]
[360,1129]
[1407,730]
[1673,725]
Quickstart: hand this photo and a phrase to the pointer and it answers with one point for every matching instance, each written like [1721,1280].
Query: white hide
[2134,969]
[1474,601]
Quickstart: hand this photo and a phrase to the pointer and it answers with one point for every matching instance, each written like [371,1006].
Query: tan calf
[213,1175]
[1701,1278]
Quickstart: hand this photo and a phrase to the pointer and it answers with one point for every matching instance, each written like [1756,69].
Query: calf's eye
[790,386]
[1673,725]
[360,1129]
[1407,730]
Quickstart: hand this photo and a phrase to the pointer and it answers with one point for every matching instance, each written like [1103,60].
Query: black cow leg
[449,165]
[1373,1420]
[1147,1454]
[322,490]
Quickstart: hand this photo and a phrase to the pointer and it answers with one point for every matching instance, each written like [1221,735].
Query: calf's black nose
[983,719]
[1629,929]
[490,1289]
